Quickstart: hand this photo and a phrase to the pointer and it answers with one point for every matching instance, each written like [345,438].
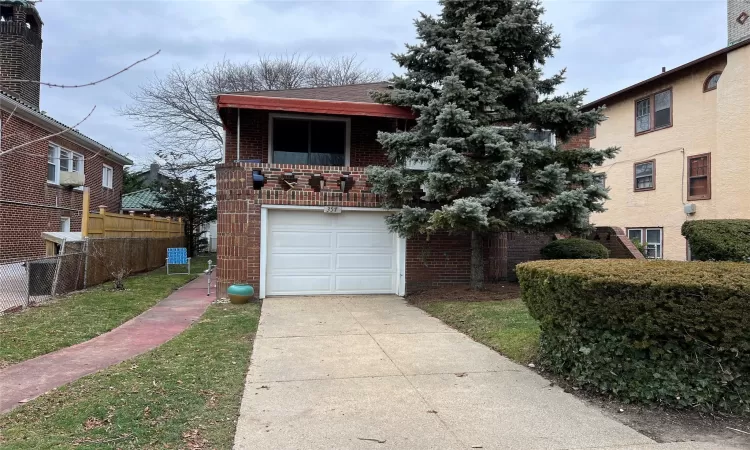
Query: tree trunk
[477,260]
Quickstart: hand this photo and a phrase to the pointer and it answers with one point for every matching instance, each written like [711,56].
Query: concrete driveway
[372,372]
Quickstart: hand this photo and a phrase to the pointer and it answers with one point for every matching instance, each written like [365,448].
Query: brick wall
[21,55]
[28,204]
[618,244]
[578,141]
[523,247]
[365,150]
[443,259]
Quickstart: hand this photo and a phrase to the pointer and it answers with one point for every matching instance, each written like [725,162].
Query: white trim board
[400,244]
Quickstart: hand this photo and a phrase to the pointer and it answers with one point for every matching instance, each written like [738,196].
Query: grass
[184,394]
[84,315]
[505,326]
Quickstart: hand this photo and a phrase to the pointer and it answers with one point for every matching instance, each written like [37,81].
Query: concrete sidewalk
[372,372]
[168,318]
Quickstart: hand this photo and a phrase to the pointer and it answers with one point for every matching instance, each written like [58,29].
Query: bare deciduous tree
[179,112]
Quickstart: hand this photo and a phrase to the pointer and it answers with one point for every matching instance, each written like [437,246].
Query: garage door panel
[360,220]
[349,261]
[365,283]
[312,253]
[301,239]
[302,219]
[300,261]
[348,239]
[296,284]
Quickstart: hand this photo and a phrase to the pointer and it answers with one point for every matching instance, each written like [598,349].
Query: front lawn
[84,315]
[505,325]
[184,394]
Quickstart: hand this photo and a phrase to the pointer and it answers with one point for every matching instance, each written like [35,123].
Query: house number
[332,209]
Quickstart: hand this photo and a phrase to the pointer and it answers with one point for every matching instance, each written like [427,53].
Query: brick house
[295,211]
[39,189]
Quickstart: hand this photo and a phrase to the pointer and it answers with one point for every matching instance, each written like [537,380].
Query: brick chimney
[738,20]
[20,49]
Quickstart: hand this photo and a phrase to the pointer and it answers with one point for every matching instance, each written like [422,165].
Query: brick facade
[21,52]
[29,205]
[618,244]
[364,151]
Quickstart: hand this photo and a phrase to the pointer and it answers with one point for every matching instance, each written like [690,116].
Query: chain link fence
[87,263]
[34,281]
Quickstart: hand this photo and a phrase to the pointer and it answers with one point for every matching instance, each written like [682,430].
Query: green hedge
[667,332]
[718,240]
[574,248]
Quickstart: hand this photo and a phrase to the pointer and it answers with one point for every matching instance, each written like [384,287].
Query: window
[592,132]
[652,242]
[699,177]
[600,179]
[61,160]
[653,112]
[322,142]
[65,224]
[644,175]
[712,82]
[107,176]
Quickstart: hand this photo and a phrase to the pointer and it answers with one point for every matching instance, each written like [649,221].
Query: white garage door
[310,253]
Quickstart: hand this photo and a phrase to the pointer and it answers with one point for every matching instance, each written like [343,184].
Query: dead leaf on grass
[194,440]
[93,422]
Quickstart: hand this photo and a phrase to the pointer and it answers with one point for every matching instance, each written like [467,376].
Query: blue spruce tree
[475,82]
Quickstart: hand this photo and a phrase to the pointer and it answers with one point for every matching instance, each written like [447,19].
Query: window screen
[51,165]
[663,109]
[644,175]
[643,115]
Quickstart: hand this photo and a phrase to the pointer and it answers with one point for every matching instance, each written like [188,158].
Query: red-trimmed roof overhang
[310,106]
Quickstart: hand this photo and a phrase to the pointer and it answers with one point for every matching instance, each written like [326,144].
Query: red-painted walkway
[167,319]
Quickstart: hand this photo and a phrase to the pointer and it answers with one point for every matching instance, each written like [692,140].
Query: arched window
[711,82]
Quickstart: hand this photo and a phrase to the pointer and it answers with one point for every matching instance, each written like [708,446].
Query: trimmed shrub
[718,240]
[666,332]
[574,248]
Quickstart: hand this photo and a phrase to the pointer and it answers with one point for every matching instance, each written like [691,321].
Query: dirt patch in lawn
[464,293]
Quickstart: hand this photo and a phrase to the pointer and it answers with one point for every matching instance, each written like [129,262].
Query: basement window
[318,141]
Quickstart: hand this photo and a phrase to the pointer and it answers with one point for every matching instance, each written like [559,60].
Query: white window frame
[347,120]
[657,247]
[56,161]
[111,176]
[63,222]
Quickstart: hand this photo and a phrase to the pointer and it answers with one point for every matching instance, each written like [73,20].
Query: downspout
[238,134]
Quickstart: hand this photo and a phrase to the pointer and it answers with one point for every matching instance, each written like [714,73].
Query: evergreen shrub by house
[718,240]
[574,248]
[666,332]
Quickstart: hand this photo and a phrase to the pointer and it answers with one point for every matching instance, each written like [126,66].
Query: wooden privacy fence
[132,255]
[110,225]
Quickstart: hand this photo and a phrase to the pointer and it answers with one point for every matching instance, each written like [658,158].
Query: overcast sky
[606,45]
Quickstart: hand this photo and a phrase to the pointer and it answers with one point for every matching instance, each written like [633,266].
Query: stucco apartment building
[41,180]
[684,136]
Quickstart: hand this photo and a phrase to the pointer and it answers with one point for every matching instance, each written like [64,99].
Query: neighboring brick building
[33,199]
[295,211]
